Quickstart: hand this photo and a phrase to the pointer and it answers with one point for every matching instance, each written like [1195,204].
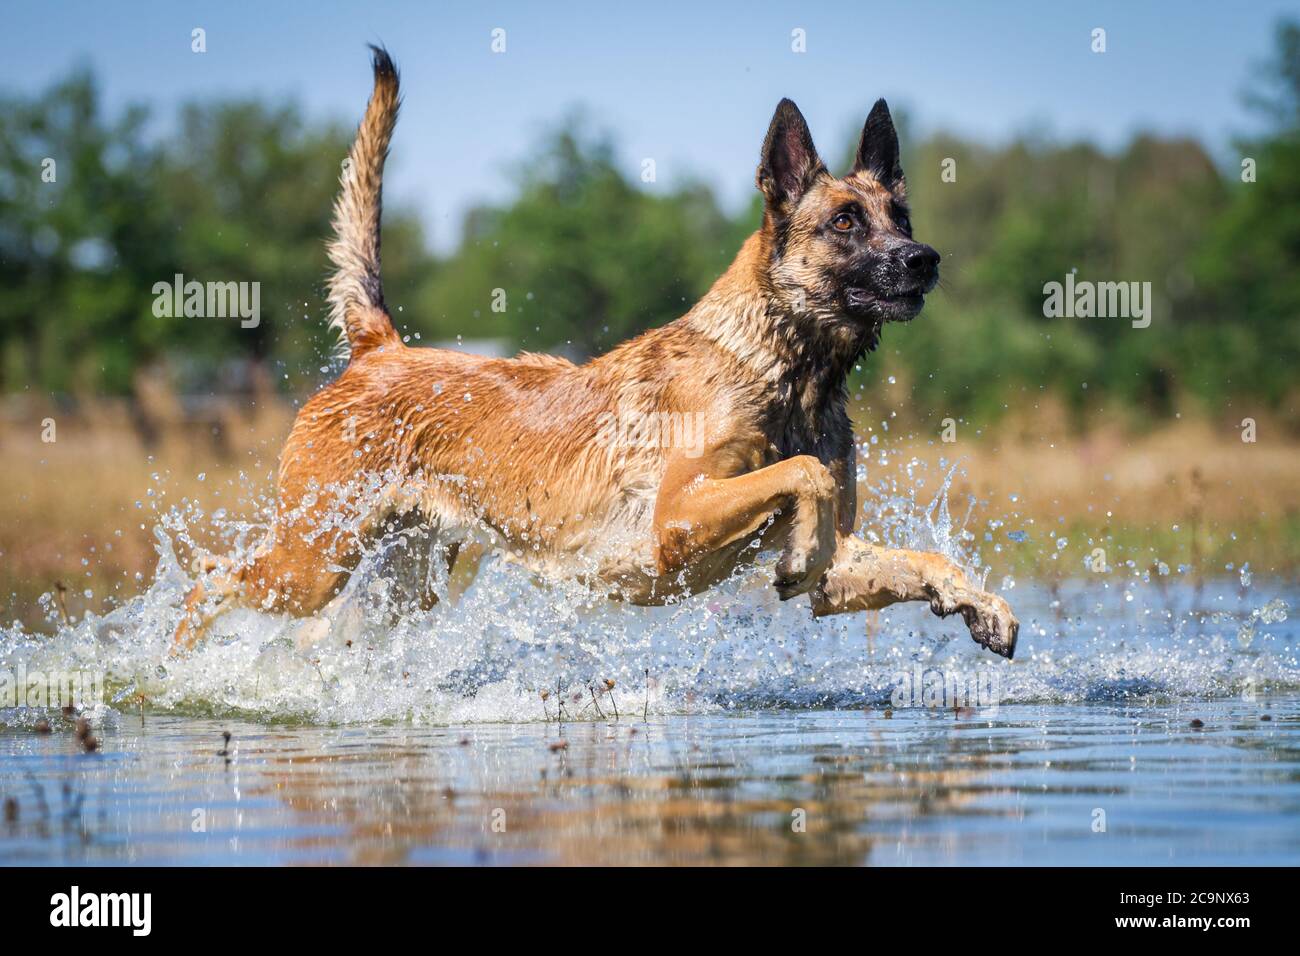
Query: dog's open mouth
[885,308]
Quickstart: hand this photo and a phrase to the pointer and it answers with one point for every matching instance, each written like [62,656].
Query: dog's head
[842,251]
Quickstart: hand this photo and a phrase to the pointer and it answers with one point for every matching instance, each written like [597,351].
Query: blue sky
[691,85]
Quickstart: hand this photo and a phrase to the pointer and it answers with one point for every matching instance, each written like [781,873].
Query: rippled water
[1033,784]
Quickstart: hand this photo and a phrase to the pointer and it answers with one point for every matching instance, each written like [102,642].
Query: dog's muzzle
[912,272]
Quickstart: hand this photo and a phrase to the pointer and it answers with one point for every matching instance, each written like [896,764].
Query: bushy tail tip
[356,291]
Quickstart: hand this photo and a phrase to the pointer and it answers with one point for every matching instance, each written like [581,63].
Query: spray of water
[513,649]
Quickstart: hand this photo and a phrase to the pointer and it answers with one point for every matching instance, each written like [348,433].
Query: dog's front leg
[864,577]
[708,503]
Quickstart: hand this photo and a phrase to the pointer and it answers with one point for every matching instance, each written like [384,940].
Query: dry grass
[1188,494]
[82,509]
[79,510]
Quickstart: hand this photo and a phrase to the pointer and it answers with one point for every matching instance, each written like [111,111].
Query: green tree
[1251,258]
[585,257]
[80,232]
[238,192]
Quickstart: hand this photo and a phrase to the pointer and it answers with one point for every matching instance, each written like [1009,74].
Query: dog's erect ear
[790,162]
[878,148]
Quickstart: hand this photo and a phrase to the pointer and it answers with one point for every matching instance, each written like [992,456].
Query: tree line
[95,212]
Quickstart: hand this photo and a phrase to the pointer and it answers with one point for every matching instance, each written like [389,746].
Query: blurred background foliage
[588,255]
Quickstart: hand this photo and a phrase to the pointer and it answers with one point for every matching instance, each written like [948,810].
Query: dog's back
[508,442]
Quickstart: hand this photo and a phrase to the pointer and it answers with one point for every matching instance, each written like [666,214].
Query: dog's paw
[791,584]
[810,547]
[992,623]
[799,570]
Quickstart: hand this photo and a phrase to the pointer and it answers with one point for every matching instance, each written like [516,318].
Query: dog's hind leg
[206,600]
[290,572]
[864,577]
[419,554]
[432,584]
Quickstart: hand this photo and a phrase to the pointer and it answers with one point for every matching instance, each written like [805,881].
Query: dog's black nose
[920,260]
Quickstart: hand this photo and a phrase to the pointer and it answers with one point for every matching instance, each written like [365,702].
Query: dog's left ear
[789,164]
[878,148]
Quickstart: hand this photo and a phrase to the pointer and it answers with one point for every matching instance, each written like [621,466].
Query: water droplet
[1274,612]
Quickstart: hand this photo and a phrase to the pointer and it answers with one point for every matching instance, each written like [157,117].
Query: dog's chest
[799,436]
[798,424]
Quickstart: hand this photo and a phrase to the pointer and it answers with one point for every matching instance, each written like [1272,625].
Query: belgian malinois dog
[457,446]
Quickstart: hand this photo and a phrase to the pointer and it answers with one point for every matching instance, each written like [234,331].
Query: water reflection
[1030,784]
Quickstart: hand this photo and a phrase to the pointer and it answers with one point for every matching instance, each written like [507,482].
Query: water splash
[493,652]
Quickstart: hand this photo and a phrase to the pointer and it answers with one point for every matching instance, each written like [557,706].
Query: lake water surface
[1142,722]
[1035,784]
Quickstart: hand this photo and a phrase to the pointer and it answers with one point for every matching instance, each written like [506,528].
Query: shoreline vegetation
[1190,495]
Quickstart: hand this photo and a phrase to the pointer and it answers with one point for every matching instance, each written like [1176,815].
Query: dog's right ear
[790,163]
[878,148]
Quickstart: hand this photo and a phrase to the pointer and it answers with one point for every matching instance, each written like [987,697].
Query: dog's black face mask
[886,279]
[843,248]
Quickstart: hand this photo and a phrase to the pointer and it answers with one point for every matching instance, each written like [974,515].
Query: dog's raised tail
[356,291]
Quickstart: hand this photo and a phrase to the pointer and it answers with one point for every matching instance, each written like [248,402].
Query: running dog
[449,445]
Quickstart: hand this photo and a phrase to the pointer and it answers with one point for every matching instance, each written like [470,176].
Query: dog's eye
[842,223]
